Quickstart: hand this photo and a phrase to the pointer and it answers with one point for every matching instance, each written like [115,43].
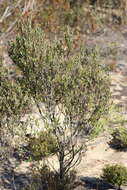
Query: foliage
[13,105]
[70,91]
[62,75]
[110,122]
[99,127]
[13,100]
[43,145]
[119,139]
[107,3]
[115,174]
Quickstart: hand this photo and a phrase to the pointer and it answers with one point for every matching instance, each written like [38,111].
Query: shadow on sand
[94,183]
[11,180]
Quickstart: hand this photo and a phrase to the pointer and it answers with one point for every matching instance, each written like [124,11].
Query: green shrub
[74,89]
[43,145]
[107,3]
[119,139]
[115,174]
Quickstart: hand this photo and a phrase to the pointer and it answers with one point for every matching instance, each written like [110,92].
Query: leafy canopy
[52,74]
[115,174]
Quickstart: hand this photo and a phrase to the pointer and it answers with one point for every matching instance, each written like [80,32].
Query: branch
[71,163]
[28,6]
[11,26]
[6,14]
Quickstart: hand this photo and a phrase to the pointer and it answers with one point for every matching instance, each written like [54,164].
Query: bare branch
[6,14]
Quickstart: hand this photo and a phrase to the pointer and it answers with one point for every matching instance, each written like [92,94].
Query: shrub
[107,3]
[43,145]
[73,87]
[119,140]
[44,178]
[115,174]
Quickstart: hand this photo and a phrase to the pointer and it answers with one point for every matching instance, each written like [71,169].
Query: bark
[62,170]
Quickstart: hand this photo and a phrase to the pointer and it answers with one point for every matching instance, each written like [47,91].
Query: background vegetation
[52,15]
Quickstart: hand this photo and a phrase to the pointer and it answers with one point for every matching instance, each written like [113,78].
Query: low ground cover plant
[43,145]
[115,175]
[119,140]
